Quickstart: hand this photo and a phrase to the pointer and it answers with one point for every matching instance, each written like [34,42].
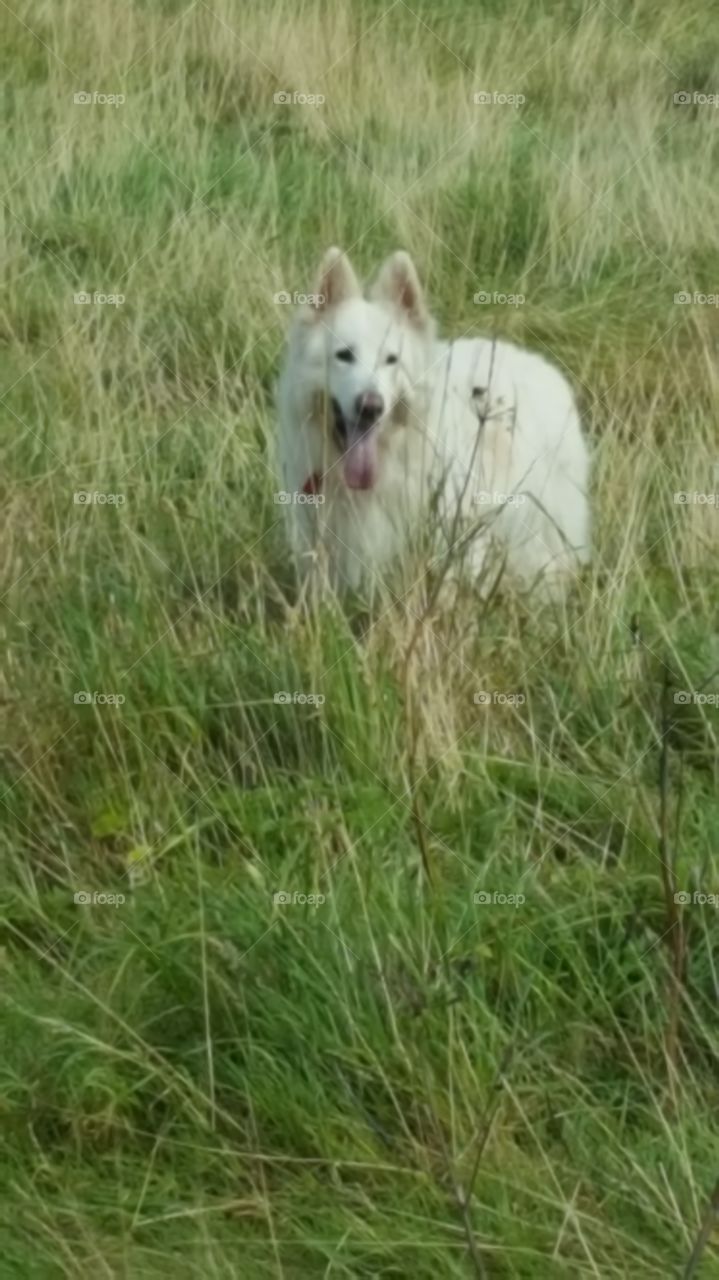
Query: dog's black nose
[369,408]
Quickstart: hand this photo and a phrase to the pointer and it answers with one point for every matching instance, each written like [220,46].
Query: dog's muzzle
[356,440]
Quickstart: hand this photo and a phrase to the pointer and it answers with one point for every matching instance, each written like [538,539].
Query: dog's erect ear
[336,281]
[398,284]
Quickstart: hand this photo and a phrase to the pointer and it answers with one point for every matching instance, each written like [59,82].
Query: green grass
[398,1080]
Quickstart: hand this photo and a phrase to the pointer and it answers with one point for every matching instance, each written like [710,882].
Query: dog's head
[364,357]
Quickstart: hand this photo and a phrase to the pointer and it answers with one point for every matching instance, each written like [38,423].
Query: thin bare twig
[413,728]
[674,917]
[711,1218]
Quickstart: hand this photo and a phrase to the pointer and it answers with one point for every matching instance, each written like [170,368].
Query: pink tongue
[360,463]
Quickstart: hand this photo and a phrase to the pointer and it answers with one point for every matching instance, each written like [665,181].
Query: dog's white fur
[477,435]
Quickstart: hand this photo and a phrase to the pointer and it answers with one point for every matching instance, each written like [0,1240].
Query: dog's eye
[346,354]
[391,359]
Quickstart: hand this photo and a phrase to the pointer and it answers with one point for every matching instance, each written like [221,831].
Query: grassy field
[395,1077]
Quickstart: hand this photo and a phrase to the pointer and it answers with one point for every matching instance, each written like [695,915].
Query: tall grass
[396,1080]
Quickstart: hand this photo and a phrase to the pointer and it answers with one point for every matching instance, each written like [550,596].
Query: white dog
[387,435]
